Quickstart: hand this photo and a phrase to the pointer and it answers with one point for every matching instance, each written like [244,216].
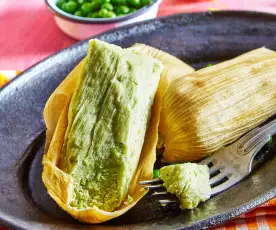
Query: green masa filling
[188,181]
[107,122]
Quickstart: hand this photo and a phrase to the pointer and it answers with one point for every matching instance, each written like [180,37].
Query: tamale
[174,68]
[64,169]
[212,107]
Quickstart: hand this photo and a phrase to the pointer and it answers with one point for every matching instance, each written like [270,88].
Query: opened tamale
[93,161]
[60,167]
[212,107]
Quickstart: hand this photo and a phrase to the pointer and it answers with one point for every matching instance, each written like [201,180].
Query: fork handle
[256,137]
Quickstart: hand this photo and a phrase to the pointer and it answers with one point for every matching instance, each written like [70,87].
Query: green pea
[156,173]
[134,3]
[70,7]
[102,13]
[131,10]
[84,14]
[119,15]
[105,1]
[122,10]
[87,7]
[145,2]
[108,6]
[63,6]
[96,5]
[60,2]
[78,13]
[110,14]
[119,2]
[93,15]
[269,143]
[81,1]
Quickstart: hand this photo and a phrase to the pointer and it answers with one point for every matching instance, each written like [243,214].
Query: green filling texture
[107,122]
[188,181]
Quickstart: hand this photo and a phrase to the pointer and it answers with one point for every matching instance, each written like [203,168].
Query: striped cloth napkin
[261,218]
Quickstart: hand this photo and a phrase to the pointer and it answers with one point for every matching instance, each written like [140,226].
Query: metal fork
[227,166]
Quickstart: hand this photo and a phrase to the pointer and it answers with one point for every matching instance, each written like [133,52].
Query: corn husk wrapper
[59,184]
[212,107]
[174,69]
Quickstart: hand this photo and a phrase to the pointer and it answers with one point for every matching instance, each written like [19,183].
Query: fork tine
[206,161]
[167,201]
[145,182]
[225,185]
[218,177]
[160,193]
[209,160]
[215,168]
[150,187]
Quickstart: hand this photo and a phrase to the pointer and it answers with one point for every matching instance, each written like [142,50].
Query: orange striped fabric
[261,218]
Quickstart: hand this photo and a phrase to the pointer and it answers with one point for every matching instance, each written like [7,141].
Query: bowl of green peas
[81,19]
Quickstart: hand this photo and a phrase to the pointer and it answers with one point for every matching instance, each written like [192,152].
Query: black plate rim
[215,220]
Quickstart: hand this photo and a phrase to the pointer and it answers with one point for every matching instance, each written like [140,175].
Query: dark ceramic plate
[198,39]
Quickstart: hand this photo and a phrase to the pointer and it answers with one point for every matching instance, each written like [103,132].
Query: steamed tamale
[107,122]
[174,68]
[102,124]
[212,107]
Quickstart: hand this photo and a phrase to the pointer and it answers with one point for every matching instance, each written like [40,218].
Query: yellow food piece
[214,106]
[3,80]
[7,75]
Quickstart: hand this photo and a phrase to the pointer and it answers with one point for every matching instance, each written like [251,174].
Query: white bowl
[83,28]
